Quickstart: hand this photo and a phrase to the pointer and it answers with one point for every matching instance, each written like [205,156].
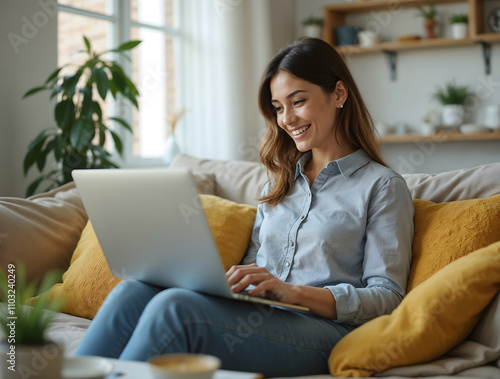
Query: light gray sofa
[43,231]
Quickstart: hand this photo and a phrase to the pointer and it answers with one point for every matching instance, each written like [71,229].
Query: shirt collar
[347,165]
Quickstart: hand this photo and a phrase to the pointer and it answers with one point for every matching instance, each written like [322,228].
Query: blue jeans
[138,321]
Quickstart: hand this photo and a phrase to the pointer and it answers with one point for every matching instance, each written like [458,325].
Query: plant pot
[313,31]
[26,361]
[452,115]
[170,150]
[459,30]
[430,28]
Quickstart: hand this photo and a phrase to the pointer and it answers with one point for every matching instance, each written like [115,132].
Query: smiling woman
[325,92]
[333,234]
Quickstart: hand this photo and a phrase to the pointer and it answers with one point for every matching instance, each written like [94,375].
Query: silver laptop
[152,228]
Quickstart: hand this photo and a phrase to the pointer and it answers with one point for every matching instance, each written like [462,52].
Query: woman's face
[305,112]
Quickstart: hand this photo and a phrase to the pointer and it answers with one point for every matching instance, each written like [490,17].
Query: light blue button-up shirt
[350,232]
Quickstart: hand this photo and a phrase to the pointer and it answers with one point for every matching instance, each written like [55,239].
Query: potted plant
[429,15]
[313,27]
[452,98]
[25,350]
[459,25]
[78,137]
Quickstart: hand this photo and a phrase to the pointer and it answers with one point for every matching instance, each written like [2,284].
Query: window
[154,63]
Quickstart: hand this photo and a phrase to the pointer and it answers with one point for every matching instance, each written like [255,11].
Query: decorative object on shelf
[492,119]
[409,38]
[473,128]
[494,20]
[430,121]
[30,324]
[172,148]
[347,35]
[368,38]
[452,98]
[459,26]
[79,136]
[429,15]
[313,27]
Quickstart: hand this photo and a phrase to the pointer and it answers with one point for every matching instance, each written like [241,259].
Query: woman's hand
[320,301]
[266,285]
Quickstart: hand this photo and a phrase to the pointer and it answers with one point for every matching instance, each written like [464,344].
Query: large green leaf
[122,122]
[81,134]
[128,45]
[102,82]
[118,78]
[54,74]
[63,112]
[102,134]
[87,103]
[97,110]
[87,43]
[70,82]
[58,148]
[118,141]
[34,150]
[33,186]
[34,90]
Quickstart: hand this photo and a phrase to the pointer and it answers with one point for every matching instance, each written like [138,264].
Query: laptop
[152,228]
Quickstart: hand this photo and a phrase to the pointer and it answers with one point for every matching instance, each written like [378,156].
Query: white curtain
[226,46]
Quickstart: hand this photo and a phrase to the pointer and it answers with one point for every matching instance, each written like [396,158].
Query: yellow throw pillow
[231,225]
[436,316]
[447,231]
[88,279]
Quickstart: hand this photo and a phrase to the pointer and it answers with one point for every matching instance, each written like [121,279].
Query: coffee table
[134,370]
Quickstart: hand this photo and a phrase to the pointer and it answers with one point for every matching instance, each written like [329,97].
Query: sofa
[456,251]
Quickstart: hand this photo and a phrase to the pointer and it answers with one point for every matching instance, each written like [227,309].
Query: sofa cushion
[88,280]
[238,181]
[478,182]
[447,231]
[41,231]
[481,347]
[433,318]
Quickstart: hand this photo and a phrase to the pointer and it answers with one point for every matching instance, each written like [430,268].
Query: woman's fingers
[253,278]
[236,273]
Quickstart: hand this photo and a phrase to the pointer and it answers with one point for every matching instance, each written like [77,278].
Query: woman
[333,233]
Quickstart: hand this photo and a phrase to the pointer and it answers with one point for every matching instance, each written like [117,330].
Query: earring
[341,105]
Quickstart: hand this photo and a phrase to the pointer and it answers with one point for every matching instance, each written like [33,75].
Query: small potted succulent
[429,15]
[459,25]
[25,349]
[313,27]
[452,98]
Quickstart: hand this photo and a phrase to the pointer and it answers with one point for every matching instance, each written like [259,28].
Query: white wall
[22,67]
[407,99]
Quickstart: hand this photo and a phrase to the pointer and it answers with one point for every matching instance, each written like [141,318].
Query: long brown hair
[317,62]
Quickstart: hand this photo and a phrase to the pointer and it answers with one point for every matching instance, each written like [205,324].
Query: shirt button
[287,264]
[301,217]
[309,194]
[291,243]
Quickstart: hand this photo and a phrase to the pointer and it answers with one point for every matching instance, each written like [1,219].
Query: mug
[347,35]
[368,38]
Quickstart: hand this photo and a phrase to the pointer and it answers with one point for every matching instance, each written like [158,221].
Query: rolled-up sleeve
[386,259]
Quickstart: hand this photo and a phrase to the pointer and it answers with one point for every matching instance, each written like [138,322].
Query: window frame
[120,24]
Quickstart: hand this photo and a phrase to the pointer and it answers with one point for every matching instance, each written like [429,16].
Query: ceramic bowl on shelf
[473,128]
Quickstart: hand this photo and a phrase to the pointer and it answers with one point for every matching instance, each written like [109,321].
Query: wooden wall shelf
[334,16]
[440,137]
